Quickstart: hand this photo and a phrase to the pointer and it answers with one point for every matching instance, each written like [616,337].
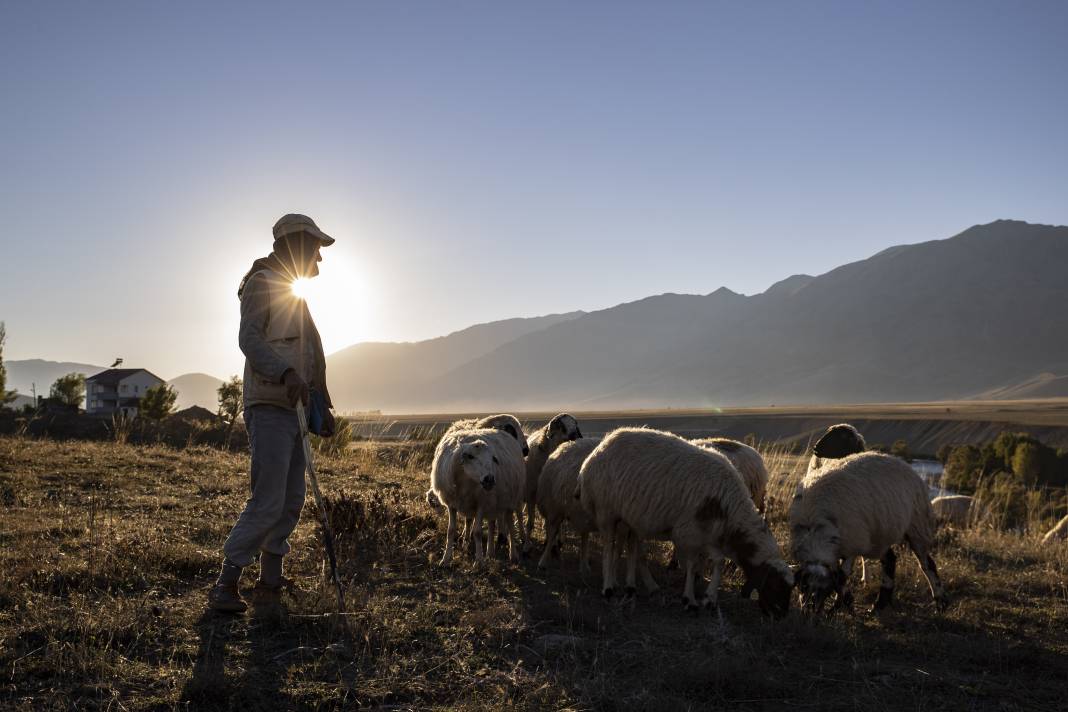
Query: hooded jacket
[277,333]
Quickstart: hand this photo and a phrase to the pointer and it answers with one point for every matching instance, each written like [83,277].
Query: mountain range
[977,315]
[980,314]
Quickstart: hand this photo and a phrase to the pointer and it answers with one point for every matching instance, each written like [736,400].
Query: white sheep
[954,509]
[541,444]
[1060,531]
[747,461]
[504,422]
[656,485]
[499,495]
[839,441]
[462,468]
[861,505]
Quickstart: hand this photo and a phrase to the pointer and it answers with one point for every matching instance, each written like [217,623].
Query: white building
[118,390]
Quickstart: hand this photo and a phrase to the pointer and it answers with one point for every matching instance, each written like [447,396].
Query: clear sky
[478,161]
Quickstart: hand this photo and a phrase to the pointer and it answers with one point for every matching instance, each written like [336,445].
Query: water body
[931,471]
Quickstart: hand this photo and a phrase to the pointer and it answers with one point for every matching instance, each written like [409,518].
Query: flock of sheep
[705,496]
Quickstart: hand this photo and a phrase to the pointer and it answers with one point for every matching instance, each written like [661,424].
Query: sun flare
[302,287]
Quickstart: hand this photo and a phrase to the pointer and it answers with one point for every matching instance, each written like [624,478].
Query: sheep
[1058,532]
[839,441]
[955,509]
[541,444]
[503,422]
[861,505]
[656,485]
[747,461]
[462,466]
[497,500]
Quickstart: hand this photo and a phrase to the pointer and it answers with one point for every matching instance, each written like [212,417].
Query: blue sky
[478,161]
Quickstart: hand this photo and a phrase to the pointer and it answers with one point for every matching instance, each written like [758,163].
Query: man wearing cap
[284,365]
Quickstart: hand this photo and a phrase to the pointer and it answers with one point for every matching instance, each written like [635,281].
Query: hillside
[366,375]
[23,374]
[945,319]
[197,389]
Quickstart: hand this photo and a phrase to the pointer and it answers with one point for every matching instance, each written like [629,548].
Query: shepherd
[284,365]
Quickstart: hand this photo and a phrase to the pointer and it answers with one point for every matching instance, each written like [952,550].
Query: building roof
[112,376]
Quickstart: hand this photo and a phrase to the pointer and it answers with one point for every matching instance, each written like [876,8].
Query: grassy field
[108,551]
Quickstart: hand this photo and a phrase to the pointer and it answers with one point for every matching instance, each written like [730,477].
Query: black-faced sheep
[541,443]
[861,505]
[659,486]
[839,441]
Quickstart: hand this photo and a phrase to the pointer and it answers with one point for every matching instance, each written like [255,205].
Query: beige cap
[295,222]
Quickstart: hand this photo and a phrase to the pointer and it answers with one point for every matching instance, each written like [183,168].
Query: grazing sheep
[861,505]
[499,496]
[655,485]
[955,509]
[747,461]
[1058,532]
[839,441]
[561,429]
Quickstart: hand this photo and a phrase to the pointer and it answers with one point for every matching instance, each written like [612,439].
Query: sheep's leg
[518,526]
[552,530]
[633,555]
[844,594]
[863,569]
[530,520]
[491,539]
[476,534]
[712,592]
[608,560]
[509,521]
[886,588]
[450,533]
[688,598]
[930,571]
[643,568]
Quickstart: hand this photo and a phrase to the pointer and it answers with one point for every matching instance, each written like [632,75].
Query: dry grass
[108,550]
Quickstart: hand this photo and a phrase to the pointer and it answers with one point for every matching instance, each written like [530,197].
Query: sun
[302,287]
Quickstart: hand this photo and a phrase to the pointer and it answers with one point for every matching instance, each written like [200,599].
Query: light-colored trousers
[272,512]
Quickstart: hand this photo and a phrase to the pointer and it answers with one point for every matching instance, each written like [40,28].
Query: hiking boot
[225,598]
[267,601]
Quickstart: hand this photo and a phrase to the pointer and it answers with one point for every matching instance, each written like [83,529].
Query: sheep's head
[774,587]
[479,463]
[507,424]
[839,441]
[816,582]
[563,428]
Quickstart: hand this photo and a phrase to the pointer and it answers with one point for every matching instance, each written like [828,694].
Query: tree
[69,389]
[943,453]
[1025,462]
[900,448]
[158,402]
[964,466]
[231,403]
[6,396]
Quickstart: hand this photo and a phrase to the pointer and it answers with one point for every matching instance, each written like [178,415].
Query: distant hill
[382,374]
[945,319]
[197,389]
[21,375]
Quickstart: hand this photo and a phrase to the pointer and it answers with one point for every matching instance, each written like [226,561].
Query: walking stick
[324,518]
